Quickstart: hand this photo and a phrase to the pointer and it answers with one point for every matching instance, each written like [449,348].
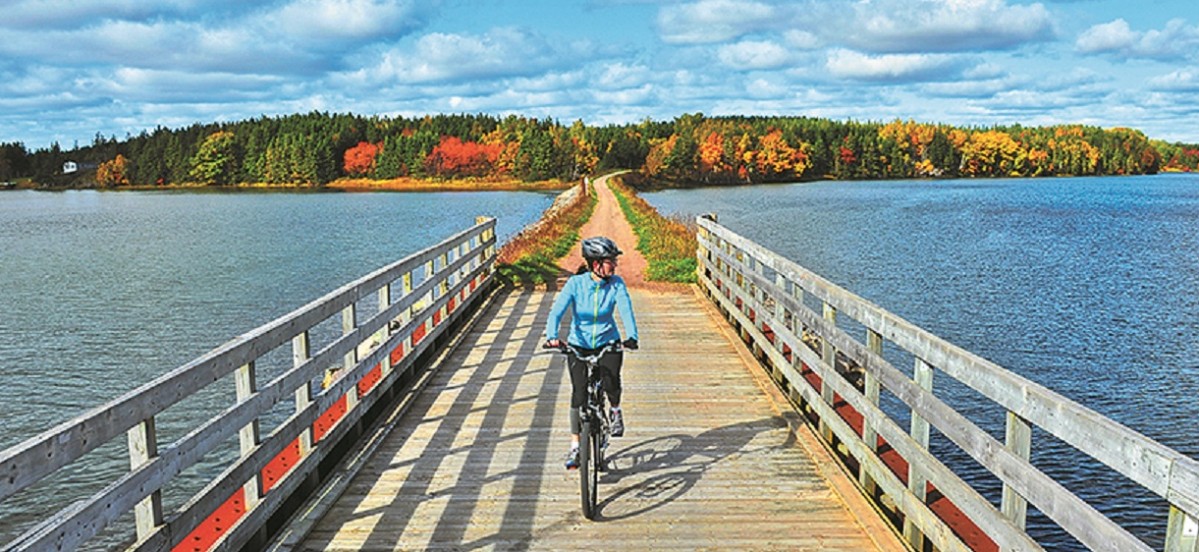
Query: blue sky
[72,68]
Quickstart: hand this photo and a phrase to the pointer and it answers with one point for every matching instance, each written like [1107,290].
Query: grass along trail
[608,220]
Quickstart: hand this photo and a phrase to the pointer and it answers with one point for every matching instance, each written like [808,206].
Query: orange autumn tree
[711,155]
[453,158]
[360,159]
[114,172]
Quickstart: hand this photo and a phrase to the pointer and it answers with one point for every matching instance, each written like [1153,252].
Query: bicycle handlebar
[566,348]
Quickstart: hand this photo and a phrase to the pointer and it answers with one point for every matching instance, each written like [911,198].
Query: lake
[1089,286]
[103,291]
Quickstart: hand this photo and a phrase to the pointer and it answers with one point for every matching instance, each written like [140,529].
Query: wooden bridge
[753,413]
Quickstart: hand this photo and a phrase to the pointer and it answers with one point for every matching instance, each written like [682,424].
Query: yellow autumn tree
[659,150]
[991,153]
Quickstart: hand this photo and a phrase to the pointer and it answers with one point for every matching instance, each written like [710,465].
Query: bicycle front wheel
[589,469]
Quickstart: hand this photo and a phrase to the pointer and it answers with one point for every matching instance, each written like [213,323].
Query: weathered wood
[1182,533]
[922,375]
[152,471]
[930,525]
[43,454]
[476,460]
[143,447]
[1076,516]
[247,385]
[1073,514]
[1017,439]
[1154,466]
[874,342]
[828,354]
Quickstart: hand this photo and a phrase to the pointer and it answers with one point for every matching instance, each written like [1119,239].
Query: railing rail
[372,354]
[764,294]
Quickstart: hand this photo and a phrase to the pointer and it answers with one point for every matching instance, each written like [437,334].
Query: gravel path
[608,220]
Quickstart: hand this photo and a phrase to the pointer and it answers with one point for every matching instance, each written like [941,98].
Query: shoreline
[493,185]
[337,186]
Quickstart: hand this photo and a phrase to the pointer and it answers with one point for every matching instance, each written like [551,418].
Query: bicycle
[595,429]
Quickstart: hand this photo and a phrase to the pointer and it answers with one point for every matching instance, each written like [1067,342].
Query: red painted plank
[370,380]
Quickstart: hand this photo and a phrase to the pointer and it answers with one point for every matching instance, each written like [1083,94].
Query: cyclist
[592,296]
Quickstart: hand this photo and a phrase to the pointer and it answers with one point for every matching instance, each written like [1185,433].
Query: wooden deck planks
[707,462]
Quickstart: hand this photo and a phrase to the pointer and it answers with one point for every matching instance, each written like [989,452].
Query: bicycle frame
[596,430]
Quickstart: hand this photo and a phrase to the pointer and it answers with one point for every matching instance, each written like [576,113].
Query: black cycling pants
[609,366]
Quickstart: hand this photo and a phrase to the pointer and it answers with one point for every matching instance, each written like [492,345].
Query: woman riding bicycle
[592,296]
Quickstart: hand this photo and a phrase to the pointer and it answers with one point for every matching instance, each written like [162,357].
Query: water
[1089,286]
[101,292]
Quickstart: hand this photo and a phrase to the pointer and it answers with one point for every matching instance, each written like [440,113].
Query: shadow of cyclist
[653,473]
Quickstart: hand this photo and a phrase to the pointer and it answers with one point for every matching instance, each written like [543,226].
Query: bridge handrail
[764,292]
[454,271]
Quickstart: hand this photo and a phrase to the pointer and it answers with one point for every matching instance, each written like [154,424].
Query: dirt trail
[608,220]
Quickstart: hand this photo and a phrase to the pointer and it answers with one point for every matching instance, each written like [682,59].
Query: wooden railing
[811,356]
[418,297]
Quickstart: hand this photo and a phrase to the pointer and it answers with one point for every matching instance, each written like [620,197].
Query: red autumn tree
[453,157]
[360,159]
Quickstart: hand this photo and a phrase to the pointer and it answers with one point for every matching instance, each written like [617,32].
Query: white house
[69,167]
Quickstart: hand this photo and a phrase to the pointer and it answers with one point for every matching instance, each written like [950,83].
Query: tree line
[316,148]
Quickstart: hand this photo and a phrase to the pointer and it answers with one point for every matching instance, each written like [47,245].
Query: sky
[72,69]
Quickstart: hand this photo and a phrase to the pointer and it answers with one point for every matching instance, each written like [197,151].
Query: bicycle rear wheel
[589,469]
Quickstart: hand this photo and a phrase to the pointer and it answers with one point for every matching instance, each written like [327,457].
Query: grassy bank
[668,244]
[455,184]
[530,258]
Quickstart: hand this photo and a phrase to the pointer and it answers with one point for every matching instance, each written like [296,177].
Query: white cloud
[640,95]
[968,89]
[1176,41]
[762,88]
[1106,37]
[445,57]
[712,21]
[342,20]
[942,25]
[51,14]
[1029,100]
[173,45]
[753,54]
[615,76]
[801,40]
[848,64]
[1182,80]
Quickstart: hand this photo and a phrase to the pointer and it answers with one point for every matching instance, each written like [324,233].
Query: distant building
[71,166]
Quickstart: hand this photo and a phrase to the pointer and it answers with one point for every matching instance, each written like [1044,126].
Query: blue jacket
[592,305]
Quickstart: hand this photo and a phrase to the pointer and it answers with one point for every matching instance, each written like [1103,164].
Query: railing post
[917,483]
[143,447]
[406,317]
[828,354]
[349,321]
[874,342]
[299,355]
[385,331]
[1018,440]
[1182,532]
[246,381]
[443,287]
[780,318]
